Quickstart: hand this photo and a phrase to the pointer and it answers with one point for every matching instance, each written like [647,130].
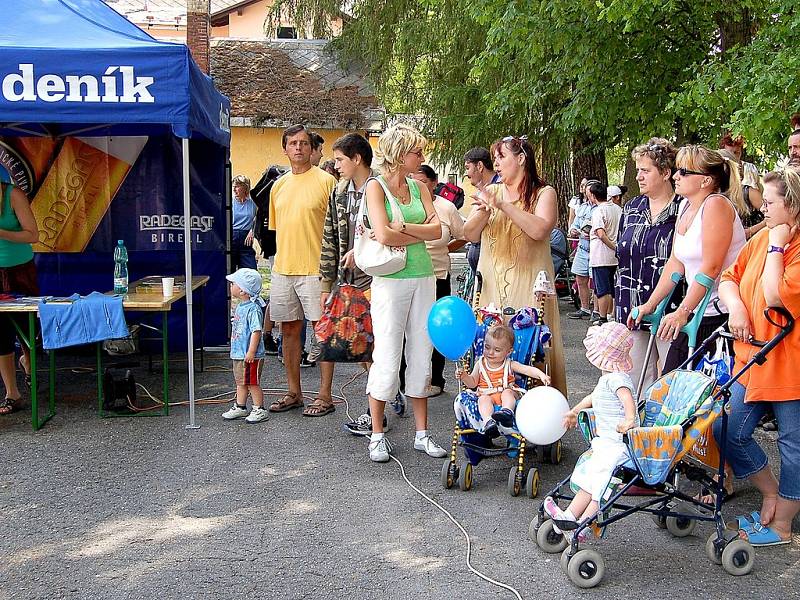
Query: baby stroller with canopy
[531,337]
[673,442]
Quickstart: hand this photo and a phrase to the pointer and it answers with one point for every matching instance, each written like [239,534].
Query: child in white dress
[607,348]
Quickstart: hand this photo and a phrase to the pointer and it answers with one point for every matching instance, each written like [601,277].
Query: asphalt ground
[293,508]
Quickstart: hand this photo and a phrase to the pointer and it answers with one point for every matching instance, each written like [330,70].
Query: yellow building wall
[254,149]
[250,24]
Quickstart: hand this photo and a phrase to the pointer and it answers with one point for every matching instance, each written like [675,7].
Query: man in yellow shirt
[297,210]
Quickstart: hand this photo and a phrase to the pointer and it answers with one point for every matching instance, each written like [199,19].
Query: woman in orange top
[767,274]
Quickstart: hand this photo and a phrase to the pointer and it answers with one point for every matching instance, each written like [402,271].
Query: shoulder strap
[397,214]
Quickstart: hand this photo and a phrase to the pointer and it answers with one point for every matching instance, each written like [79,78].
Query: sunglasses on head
[514,138]
[683,172]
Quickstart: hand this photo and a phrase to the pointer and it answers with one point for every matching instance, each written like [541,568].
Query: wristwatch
[775,249]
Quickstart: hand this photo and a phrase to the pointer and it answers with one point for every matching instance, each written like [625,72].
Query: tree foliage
[605,72]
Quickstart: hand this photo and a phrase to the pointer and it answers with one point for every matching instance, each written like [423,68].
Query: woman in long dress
[513,221]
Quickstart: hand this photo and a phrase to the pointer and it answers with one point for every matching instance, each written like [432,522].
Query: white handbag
[371,256]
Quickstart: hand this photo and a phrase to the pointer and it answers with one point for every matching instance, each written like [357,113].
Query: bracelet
[685,309]
[778,249]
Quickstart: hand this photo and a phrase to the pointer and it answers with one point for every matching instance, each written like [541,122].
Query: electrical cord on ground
[468,556]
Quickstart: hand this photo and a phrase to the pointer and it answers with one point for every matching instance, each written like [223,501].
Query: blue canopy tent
[78,68]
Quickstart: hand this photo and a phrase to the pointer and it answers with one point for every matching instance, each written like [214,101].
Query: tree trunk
[556,170]
[629,179]
[735,29]
[587,162]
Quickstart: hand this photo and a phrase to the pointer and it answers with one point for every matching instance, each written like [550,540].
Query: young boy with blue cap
[247,346]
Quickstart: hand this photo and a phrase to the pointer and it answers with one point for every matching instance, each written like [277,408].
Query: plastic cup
[168,286]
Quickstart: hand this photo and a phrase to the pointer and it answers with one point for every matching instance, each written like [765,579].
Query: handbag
[344,331]
[371,256]
[719,365]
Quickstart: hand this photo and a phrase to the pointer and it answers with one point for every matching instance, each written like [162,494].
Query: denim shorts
[745,455]
[580,264]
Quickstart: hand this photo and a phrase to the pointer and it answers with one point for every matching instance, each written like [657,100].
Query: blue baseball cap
[247,279]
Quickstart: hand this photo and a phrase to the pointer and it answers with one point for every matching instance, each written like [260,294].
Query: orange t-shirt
[779,377]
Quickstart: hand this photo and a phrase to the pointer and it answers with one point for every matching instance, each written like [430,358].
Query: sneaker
[270,345]
[595,316]
[490,429]
[399,404]
[235,412]
[434,390]
[504,417]
[379,451]
[599,321]
[305,362]
[555,513]
[429,447]
[363,425]
[257,415]
[579,314]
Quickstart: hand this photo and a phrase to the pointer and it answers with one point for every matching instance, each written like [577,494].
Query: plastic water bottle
[120,268]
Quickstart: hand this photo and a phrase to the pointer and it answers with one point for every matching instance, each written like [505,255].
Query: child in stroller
[494,377]
[607,348]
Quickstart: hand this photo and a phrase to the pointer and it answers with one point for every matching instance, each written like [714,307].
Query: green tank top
[11,253]
[418,261]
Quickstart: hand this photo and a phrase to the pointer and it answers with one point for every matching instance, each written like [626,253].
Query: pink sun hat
[608,347]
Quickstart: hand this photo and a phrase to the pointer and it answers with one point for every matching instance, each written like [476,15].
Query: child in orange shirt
[494,375]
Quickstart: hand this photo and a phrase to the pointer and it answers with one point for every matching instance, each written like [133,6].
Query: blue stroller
[531,337]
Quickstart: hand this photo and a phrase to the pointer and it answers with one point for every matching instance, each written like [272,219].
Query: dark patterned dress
[643,248]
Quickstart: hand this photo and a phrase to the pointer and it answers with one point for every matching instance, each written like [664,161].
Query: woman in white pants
[400,302]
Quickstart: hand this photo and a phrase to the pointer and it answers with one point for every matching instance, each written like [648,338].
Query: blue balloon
[451,326]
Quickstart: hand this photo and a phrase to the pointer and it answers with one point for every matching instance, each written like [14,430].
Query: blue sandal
[761,535]
[745,522]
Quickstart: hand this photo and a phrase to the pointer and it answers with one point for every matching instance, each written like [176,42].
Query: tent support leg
[187,251]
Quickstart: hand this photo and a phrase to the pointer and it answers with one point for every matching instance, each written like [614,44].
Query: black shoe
[490,429]
[579,314]
[504,416]
[305,363]
[600,321]
[270,345]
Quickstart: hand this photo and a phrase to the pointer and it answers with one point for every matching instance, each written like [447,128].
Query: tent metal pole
[187,252]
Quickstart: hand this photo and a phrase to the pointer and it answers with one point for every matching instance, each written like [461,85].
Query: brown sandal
[319,408]
[288,402]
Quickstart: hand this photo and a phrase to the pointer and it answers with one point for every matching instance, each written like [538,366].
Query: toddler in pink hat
[608,347]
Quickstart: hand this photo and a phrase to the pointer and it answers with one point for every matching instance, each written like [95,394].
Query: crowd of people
[703,214]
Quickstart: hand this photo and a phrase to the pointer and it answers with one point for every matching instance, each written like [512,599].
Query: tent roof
[77,66]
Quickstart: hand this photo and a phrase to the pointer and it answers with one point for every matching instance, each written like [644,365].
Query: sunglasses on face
[683,172]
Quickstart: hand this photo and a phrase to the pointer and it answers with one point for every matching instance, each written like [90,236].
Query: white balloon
[540,415]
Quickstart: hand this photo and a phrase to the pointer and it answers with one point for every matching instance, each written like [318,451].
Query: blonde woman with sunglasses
[708,237]
[513,221]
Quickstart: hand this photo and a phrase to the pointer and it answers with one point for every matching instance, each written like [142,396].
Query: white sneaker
[379,451]
[429,447]
[257,415]
[235,412]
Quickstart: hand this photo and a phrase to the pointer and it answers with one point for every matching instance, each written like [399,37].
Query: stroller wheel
[738,557]
[449,474]
[586,568]
[565,558]
[548,540]
[659,520]
[711,550]
[514,482]
[555,452]
[532,483]
[680,526]
[465,477]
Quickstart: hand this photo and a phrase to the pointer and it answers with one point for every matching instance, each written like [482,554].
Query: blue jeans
[242,256]
[745,455]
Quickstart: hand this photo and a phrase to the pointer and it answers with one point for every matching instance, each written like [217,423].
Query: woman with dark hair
[644,246]
[513,221]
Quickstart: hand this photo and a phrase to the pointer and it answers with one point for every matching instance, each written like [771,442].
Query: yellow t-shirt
[297,208]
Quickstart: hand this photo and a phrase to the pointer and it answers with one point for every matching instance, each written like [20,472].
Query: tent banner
[87,193]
